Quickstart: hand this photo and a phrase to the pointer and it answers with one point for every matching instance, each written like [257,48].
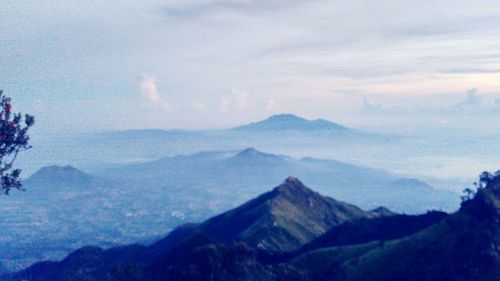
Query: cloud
[198,106]
[473,103]
[385,50]
[473,100]
[197,8]
[271,104]
[472,71]
[224,104]
[370,105]
[149,89]
[238,100]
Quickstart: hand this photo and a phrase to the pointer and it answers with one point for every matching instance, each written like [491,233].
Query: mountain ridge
[284,218]
[60,174]
[240,167]
[291,213]
[285,122]
[462,246]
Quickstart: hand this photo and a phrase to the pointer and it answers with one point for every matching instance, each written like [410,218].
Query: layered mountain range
[250,170]
[283,133]
[290,122]
[65,208]
[294,233]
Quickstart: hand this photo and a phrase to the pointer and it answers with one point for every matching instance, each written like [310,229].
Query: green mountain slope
[283,219]
[463,246]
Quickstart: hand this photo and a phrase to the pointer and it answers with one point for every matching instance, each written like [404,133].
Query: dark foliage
[13,139]
[362,231]
[485,179]
[377,229]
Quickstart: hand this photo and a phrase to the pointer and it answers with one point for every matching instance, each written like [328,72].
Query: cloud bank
[316,58]
[472,103]
[150,91]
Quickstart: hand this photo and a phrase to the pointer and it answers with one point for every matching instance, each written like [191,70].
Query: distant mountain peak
[282,219]
[67,168]
[285,117]
[55,170]
[59,176]
[250,152]
[248,155]
[293,180]
[292,184]
[282,122]
[382,211]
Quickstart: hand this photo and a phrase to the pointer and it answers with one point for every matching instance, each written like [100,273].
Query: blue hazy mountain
[239,175]
[62,208]
[285,218]
[286,122]
[293,233]
[431,246]
[65,208]
[57,178]
[285,133]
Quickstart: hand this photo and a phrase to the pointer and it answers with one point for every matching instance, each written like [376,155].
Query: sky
[109,65]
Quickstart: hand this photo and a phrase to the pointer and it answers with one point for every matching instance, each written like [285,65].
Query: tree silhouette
[468,194]
[13,139]
[485,179]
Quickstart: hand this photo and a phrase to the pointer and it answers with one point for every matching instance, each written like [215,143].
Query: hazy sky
[91,65]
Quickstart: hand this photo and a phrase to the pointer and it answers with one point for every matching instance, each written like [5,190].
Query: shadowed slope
[283,219]
[464,246]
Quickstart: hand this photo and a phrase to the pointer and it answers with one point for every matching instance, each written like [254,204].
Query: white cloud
[473,103]
[149,89]
[238,100]
[370,106]
[270,104]
[225,103]
[384,50]
[198,106]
